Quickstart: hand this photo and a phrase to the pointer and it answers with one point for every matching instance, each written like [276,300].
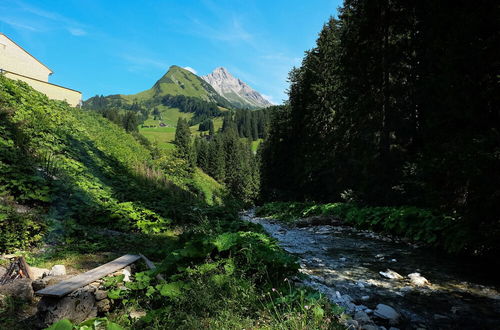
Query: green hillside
[49,151]
[154,112]
[179,81]
[73,182]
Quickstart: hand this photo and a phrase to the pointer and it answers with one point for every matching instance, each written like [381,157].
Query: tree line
[397,104]
[201,109]
[224,156]
[249,124]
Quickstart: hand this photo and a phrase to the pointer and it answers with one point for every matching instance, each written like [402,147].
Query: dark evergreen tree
[183,142]
[398,103]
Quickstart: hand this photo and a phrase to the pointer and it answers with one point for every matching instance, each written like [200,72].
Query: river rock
[418,280]
[362,318]
[77,307]
[390,274]
[20,288]
[58,270]
[351,324]
[387,312]
[369,327]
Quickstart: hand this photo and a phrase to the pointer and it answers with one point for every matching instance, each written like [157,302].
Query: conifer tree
[184,146]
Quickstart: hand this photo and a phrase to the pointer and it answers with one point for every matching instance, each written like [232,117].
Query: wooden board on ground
[152,266]
[64,287]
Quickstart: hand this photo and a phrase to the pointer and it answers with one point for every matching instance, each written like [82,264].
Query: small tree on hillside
[185,149]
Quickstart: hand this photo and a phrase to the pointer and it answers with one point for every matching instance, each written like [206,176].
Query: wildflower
[274,290]
[306,307]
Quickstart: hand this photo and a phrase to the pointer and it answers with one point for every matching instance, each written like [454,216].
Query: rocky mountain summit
[234,90]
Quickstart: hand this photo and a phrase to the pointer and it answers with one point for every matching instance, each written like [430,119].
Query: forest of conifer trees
[398,104]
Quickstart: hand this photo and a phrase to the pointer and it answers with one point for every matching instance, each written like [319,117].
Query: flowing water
[345,265]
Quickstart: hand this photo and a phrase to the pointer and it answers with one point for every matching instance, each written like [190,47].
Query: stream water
[345,264]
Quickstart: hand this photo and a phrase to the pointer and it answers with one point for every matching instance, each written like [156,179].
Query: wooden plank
[152,266]
[64,287]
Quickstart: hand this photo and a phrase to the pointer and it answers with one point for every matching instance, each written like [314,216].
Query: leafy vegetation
[410,222]
[389,109]
[77,180]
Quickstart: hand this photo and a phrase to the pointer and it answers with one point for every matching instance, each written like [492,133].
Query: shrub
[19,230]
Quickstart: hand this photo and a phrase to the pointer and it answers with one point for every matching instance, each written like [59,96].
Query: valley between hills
[368,200]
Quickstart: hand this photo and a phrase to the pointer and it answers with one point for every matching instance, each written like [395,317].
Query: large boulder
[77,307]
[20,288]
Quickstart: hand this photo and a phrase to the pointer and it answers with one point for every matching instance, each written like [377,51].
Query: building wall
[52,91]
[15,59]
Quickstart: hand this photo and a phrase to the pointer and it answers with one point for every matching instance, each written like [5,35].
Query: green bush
[19,230]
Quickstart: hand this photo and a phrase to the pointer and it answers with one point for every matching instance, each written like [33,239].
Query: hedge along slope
[68,164]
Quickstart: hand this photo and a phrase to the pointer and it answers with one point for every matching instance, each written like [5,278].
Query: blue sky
[123,47]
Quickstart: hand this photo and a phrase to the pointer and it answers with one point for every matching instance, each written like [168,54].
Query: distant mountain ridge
[205,97]
[234,90]
[179,81]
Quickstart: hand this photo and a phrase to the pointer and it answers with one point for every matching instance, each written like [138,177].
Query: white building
[16,63]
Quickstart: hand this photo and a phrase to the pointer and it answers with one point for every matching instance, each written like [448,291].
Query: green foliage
[78,167]
[99,189]
[414,223]
[385,108]
[226,274]
[19,230]
[92,324]
[184,144]
[230,160]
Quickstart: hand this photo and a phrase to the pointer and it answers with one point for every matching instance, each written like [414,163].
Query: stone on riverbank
[387,312]
[418,280]
[390,274]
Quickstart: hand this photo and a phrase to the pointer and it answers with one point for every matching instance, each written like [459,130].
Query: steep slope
[234,90]
[71,166]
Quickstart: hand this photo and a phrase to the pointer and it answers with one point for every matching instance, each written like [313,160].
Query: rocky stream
[385,283]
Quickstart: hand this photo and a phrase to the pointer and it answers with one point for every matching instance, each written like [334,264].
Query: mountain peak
[220,69]
[235,90]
